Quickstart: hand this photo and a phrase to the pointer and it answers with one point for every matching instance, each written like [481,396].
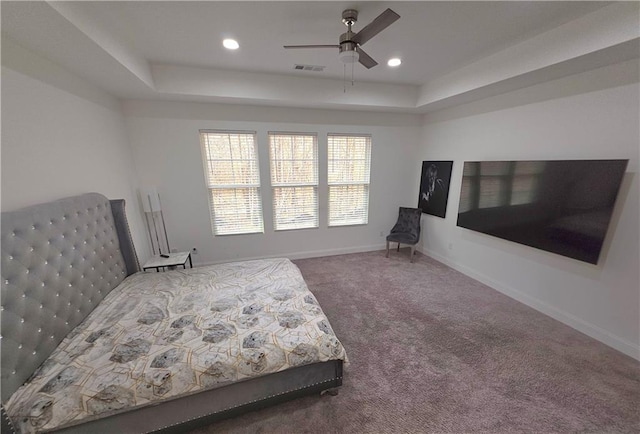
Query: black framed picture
[434,187]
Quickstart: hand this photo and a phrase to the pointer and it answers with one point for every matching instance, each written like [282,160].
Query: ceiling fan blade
[365,59]
[311,46]
[381,22]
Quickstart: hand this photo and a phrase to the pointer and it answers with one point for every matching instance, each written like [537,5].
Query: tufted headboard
[59,260]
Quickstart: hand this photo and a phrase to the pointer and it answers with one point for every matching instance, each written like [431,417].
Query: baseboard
[622,345]
[304,254]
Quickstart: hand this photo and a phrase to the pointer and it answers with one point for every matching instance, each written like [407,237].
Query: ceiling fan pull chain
[344,78]
[352,81]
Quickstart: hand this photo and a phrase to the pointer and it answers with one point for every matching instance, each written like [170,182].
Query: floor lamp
[155,221]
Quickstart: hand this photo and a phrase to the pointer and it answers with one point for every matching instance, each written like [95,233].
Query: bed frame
[59,260]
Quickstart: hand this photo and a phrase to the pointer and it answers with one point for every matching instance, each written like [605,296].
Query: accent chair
[406,230]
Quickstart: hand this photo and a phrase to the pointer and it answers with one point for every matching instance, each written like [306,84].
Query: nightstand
[174,260]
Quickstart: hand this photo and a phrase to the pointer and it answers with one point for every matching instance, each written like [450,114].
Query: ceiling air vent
[308,67]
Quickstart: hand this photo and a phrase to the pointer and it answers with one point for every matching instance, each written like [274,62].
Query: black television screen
[561,206]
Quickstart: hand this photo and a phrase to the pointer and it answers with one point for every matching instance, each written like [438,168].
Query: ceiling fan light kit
[348,56]
[350,44]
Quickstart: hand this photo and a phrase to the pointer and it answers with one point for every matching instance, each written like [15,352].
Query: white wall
[62,136]
[56,143]
[600,300]
[166,143]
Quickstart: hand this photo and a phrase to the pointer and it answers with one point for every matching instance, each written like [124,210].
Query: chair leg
[413,251]
[388,248]
[398,246]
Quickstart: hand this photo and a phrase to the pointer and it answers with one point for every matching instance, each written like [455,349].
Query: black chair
[406,229]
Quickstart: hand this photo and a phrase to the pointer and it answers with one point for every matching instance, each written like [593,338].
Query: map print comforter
[162,335]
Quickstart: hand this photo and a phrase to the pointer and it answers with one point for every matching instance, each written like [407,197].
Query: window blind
[233,180]
[294,180]
[349,166]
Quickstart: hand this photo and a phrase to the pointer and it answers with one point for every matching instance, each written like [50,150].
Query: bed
[92,344]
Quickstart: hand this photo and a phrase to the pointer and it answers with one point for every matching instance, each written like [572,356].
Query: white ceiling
[172,50]
[431,38]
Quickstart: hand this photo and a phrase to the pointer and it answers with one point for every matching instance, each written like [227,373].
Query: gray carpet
[432,350]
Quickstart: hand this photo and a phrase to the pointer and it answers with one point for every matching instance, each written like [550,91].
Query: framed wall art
[434,187]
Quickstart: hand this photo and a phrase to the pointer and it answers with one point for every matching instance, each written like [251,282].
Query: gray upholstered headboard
[59,260]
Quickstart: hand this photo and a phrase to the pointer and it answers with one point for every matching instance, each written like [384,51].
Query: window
[348,178]
[294,179]
[233,179]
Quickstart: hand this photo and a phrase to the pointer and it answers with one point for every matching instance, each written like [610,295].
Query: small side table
[174,259]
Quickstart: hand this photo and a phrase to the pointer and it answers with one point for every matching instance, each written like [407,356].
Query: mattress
[160,336]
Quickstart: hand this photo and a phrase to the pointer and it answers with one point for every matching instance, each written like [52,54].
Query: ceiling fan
[350,50]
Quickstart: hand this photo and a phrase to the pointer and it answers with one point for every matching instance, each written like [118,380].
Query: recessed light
[231,44]
[394,62]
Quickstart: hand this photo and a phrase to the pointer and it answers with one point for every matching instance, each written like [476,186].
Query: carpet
[434,351]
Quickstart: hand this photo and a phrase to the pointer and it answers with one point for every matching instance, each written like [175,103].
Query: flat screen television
[561,206]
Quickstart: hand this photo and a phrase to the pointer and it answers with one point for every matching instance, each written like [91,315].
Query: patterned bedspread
[163,335]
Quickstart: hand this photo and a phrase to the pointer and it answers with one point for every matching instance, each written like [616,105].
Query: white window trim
[280,185]
[211,188]
[351,183]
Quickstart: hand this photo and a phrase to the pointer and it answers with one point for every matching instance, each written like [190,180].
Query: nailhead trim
[249,402]
[5,416]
